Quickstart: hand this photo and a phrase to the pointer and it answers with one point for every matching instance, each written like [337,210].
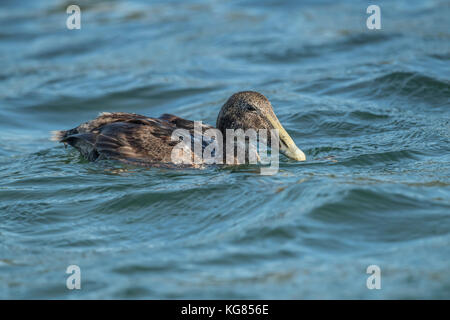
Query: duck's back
[127,137]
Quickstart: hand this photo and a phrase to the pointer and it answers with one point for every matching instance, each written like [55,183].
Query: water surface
[369,108]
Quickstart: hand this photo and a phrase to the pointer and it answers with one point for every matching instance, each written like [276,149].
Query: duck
[144,141]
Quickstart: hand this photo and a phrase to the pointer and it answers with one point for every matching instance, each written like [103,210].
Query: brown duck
[144,141]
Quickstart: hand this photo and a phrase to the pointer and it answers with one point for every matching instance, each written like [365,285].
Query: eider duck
[143,141]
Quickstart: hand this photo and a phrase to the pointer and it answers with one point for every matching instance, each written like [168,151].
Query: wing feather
[127,137]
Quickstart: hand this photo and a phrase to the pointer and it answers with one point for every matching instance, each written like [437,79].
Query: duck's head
[251,110]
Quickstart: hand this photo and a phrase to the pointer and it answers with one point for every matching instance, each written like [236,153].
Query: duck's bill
[293,152]
[287,145]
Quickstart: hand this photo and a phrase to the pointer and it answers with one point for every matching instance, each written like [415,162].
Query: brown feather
[127,137]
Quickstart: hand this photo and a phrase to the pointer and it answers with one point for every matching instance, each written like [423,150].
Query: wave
[410,85]
[296,54]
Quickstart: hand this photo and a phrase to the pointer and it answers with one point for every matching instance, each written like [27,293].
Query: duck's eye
[251,108]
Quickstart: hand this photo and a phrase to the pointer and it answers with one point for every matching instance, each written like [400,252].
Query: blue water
[370,108]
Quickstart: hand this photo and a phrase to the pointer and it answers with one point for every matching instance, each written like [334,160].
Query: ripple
[413,86]
[380,158]
[307,51]
[373,211]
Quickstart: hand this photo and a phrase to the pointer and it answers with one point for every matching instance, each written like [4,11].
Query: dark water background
[377,101]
